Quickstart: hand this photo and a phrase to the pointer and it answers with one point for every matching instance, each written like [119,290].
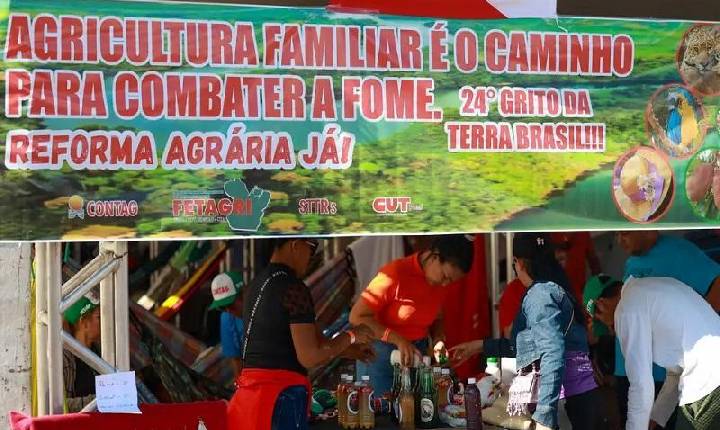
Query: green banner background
[467,192]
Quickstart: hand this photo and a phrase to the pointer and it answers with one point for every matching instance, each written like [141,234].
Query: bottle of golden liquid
[342,400]
[407,402]
[367,414]
[352,419]
[445,389]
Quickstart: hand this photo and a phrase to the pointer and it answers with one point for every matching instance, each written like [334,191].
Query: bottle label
[473,409]
[427,410]
[353,402]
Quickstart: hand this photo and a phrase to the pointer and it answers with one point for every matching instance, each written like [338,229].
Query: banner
[150,119]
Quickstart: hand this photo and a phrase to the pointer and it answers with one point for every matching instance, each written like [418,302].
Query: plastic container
[366,419]
[473,407]
[492,368]
[352,417]
[342,400]
[445,389]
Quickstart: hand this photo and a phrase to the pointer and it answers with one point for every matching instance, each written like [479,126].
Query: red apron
[252,406]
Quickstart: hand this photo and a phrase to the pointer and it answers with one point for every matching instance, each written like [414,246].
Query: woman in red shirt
[402,305]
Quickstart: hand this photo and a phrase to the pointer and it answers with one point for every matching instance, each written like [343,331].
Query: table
[381,423]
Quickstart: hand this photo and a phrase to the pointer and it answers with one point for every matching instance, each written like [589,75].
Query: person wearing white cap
[226,289]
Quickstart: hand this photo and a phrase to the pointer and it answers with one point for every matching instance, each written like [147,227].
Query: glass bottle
[427,404]
[406,415]
[395,393]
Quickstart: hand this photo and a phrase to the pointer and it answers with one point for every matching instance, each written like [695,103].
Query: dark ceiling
[702,10]
[705,10]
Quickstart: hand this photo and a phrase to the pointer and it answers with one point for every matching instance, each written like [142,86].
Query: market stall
[132,120]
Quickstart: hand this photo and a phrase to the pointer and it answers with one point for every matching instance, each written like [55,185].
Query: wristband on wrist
[352,337]
[386,335]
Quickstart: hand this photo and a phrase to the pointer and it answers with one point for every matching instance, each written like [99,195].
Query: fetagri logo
[394,205]
[242,208]
[79,208]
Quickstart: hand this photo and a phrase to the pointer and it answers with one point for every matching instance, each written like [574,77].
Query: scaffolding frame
[110,270]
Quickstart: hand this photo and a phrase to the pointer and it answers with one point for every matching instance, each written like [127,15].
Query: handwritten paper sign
[117,393]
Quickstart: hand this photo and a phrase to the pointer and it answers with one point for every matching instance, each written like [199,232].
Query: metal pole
[246,260]
[88,284]
[86,354]
[327,251]
[54,350]
[252,258]
[90,407]
[107,316]
[494,281]
[510,273]
[41,357]
[154,251]
[226,264]
[122,309]
[93,266]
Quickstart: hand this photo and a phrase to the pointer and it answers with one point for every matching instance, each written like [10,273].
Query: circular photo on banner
[643,185]
[698,58]
[675,121]
[702,183]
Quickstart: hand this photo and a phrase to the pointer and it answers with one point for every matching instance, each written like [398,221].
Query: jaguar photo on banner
[127,119]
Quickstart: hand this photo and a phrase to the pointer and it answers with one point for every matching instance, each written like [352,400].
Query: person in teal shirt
[655,255]
[227,297]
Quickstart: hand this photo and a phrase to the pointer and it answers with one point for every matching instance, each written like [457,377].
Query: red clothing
[578,247]
[252,406]
[467,309]
[403,300]
[510,302]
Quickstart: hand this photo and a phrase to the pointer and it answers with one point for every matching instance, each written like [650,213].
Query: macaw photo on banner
[141,120]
